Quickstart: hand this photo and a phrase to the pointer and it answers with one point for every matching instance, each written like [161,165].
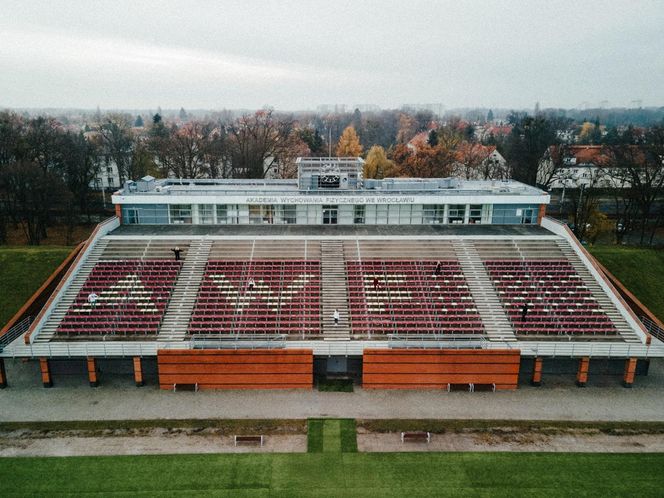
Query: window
[286,215]
[206,214]
[222,214]
[359,215]
[475,215]
[457,213]
[330,214]
[433,213]
[180,214]
[528,216]
[261,215]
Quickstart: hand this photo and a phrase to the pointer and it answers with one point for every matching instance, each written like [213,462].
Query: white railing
[15,332]
[238,341]
[334,348]
[401,341]
[563,230]
[590,349]
[42,318]
[655,330]
[85,349]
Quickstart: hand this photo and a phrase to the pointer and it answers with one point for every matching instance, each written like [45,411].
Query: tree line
[48,167]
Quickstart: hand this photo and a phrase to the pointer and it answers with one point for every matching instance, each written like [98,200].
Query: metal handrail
[654,329]
[15,332]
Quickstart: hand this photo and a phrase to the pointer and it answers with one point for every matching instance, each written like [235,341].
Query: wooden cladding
[436,368]
[236,369]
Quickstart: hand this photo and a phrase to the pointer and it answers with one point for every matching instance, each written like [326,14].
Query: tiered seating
[285,298]
[558,301]
[408,298]
[131,299]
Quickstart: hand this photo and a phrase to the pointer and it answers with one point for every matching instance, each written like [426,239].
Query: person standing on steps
[251,284]
[524,311]
[438,269]
[177,252]
[336,317]
[92,299]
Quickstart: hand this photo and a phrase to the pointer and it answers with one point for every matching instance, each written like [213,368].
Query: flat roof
[387,231]
[385,187]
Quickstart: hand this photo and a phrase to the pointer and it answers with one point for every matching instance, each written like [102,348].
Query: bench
[185,387]
[248,440]
[416,437]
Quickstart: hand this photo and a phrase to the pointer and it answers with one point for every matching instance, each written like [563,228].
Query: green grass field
[640,270]
[22,271]
[332,467]
[338,475]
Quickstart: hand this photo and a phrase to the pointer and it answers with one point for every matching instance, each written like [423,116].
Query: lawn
[23,271]
[640,270]
[338,475]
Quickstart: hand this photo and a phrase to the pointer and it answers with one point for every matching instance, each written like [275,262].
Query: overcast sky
[298,54]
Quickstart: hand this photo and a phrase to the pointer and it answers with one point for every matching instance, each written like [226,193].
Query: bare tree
[115,130]
[29,194]
[641,168]
[256,142]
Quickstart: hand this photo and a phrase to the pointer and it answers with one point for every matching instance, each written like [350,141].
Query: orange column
[3,374]
[582,373]
[138,371]
[45,372]
[630,371]
[537,372]
[92,372]
[118,212]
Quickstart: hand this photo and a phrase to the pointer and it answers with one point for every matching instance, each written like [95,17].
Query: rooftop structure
[329,191]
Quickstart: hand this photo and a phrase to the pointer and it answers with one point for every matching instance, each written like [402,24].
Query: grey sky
[297,54]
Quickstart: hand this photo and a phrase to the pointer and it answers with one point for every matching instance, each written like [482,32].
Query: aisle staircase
[183,299]
[496,324]
[600,295]
[49,329]
[334,291]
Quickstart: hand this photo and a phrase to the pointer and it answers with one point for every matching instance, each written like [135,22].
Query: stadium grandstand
[399,283]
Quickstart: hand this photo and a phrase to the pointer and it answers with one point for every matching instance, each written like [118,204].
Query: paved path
[117,398]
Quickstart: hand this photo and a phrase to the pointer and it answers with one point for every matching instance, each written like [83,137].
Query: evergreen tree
[139,122]
[489,116]
[433,138]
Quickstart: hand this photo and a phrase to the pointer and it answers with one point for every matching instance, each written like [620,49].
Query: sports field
[333,468]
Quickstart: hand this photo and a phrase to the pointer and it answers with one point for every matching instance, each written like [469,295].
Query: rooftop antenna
[329,142]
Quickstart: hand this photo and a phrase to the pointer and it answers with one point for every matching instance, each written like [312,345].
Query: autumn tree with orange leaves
[425,161]
[349,144]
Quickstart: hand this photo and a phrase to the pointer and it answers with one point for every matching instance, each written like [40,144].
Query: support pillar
[537,372]
[138,371]
[582,373]
[630,371]
[3,374]
[45,372]
[92,372]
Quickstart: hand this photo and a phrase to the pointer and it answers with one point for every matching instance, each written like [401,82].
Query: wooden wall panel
[436,368]
[237,369]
